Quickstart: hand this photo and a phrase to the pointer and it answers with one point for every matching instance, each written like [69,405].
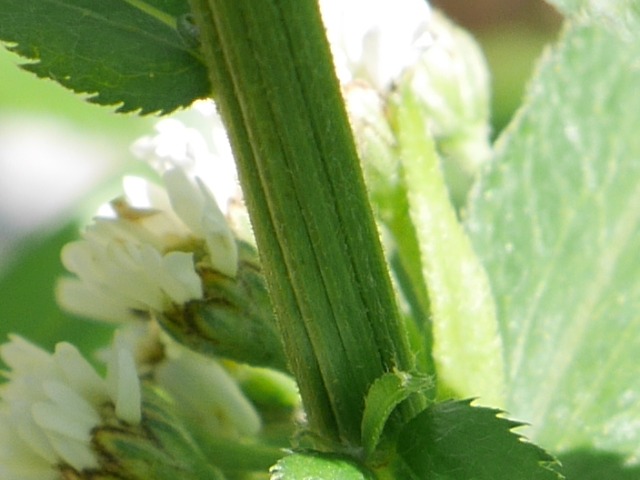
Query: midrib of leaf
[564,441]
[159,15]
[543,285]
[626,226]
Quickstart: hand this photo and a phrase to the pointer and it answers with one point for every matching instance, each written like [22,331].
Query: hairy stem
[276,90]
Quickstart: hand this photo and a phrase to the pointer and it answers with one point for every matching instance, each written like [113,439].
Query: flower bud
[234,319]
[160,448]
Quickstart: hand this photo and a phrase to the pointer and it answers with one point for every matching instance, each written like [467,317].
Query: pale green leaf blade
[455,441]
[466,343]
[306,466]
[121,52]
[384,395]
[618,15]
[557,223]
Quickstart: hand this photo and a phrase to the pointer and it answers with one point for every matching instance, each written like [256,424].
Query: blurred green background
[61,157]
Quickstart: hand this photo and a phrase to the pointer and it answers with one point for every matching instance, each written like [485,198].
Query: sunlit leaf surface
[557,222]
[618,15]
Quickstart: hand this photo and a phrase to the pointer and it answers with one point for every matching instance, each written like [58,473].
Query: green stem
[271,69]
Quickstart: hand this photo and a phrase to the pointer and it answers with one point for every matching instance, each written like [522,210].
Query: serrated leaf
[455,441]
[384,395]
[466,343]
[556,222]
[317,466]
[125,52]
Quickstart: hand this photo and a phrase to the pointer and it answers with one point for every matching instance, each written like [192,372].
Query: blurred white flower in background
[45,167]
[451,80]
[195,141]
[52,402]
[375,40]
[382,46]
[207,395]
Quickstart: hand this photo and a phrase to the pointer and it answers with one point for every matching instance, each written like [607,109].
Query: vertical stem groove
[276,90]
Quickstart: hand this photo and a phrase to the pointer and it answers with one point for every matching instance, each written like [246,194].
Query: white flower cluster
[144,255]
[378,45]
[52,402]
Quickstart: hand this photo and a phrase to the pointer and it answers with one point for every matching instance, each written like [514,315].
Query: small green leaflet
[317,466]
[384,395]
[121,52]
[455,441]
[467,348]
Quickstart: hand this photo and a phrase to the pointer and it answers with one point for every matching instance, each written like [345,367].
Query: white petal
[174,273]
[57,419]
[34,437]
[90,301]
[14,449]
[72,402]
[79,374]
[221,245]
[375,40]
[186,198]
[80,257]
[18,461]
[207,394]
[78,454]
[123,381]
[20,354]
[182,281]
[127,276]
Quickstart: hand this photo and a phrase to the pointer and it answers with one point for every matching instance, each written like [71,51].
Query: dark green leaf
[585,464]
[317,466]
[556,222]
[455,441]
[125,52]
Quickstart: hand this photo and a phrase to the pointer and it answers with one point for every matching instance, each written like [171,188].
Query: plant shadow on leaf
[585,464]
